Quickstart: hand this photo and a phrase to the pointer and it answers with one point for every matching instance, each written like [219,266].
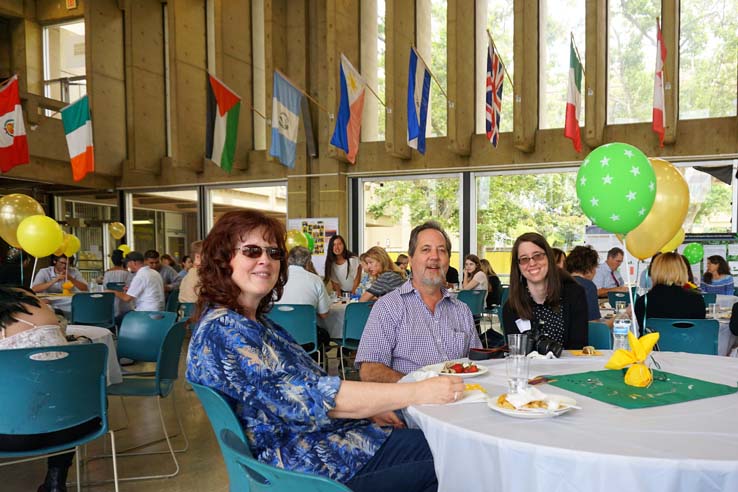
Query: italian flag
[78,129]
[574,99]
[224,106]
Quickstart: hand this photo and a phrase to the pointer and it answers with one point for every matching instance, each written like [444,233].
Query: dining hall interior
[514,97]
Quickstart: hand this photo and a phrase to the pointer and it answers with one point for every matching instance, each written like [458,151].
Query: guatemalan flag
[286,107]
[347,134]
[13,142]
[418,92]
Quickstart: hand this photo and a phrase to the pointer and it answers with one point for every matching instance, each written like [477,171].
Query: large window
[270,199]
[498,17]
[431,44]
[711,196]
[165,221]
[559,20]
[64,61]
[708,58]
[631,57]
[373,49]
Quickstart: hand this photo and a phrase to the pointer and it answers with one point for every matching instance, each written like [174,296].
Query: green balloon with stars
[616,186]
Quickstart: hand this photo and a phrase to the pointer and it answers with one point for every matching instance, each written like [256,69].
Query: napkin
[638,374]
[531,393]
[536,355]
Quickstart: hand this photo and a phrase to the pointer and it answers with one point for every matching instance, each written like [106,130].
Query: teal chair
[42,395]
[118,286]
[159,386]
[354,320]
[599,335]
[474,299]
[185,310]
[172,301]
[614,297]
[709,297]
[300,321]
[94,308]
[503,299]
[245,474]
[696,336]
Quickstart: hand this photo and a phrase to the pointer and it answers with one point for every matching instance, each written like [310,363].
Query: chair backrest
[172,301]
[474,299]
[93,308]
[354,320]
[614,297]
[504,295]
[298,320]
[142,333]
[115,286]
[255,476]
[599,335]
[185,310]
[709,297]
[696,336]
[167,364]
[40,394]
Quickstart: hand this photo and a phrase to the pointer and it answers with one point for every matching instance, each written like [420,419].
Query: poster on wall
[322,229]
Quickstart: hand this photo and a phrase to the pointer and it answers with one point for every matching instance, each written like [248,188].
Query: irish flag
[13,142]
[347,134]
[78,128]
[574,99]
[224,106]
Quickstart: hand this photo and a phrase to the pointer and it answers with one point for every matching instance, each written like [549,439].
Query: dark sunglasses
[253,251]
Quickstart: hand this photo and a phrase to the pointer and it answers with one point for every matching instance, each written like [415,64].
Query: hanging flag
[659,119]
[347,133]
[13,141]
[495,78]
[574,99]
[78,129]
[286,101]
[418,92]
[223,109]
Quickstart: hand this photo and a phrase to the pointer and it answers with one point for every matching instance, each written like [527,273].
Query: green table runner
[667,388]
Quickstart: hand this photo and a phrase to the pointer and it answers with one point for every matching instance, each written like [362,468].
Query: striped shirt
[403,334]
[385,282]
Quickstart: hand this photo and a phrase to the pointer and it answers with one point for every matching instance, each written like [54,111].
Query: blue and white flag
[286,104]
[418,92]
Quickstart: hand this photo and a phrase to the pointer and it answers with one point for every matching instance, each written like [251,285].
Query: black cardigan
[574,306]
[670,301]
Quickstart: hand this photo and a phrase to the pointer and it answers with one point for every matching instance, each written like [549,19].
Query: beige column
[670,33]
[595,72]
[461,58]
[525,97]
[400,31]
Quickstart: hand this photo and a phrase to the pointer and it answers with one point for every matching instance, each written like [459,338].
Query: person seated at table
[717,279]
[147,288]
[542,296]
[168,274]
[607,278]
[494,286]
[668,298]
[419,323]
[294,415]
[118,274]
[560,258]
[734,320]
[26,322]
[342,267]
[452,278]
[690,284]
[402,262]
[187,263]
[366,278]
[645,281]
[582,265]
[50,280]
[387,276]
[190,284]
[474,277]
[168,260]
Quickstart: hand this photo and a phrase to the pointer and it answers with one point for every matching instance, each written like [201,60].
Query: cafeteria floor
[201,467]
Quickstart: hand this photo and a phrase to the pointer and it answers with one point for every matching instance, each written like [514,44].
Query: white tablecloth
[688,447]
[334,322]
[59,301]
[101,335]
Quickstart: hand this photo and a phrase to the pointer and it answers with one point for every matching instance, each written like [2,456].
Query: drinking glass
[619,305]
[712,310]
[517,343]
[517,373]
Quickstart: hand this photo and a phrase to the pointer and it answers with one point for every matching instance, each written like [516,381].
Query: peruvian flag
[574,99]
[659,119]
[13,142]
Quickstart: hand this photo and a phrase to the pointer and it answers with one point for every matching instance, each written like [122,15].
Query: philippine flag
[347,134]
[418,91]
[13,141]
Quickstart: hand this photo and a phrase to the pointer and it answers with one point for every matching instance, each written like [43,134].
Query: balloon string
[33,272]
[634,322]
[21,266]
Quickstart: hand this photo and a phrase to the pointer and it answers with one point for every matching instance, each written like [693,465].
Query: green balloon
[694,252]
[311,241]
[616,186]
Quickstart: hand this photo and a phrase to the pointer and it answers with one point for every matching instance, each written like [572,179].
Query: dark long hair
[723,267]
[330,257]
[477,265]
[217,288]
[520,300]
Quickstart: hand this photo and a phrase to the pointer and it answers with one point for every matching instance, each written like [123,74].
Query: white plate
[534,413]
[437,368]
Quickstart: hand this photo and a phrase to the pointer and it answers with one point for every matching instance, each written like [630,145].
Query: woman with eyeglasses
[543,298]
[294,415]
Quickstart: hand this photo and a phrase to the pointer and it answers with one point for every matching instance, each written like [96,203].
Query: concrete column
[594,94]
[670,32]
[369,53]
[400,30]
[461,75]
[525,101]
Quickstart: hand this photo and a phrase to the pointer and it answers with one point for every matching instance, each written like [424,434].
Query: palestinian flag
[224,106]
[574,100]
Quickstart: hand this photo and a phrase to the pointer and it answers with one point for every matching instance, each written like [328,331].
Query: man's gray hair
[431,224]
[299,255]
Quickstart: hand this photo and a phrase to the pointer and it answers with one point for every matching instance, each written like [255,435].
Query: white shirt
[147,288]
[338,273]
[481,280]
[47,274]
[303,287]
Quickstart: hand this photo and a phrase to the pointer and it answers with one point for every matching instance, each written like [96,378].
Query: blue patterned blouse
[281,396]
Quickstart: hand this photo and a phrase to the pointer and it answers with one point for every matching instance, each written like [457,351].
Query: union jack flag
[495,77]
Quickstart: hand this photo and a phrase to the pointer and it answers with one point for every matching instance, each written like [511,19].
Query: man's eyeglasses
[253,251]
[537,257]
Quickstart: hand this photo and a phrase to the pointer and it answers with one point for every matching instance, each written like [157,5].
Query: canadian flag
[13,142]
[658,87]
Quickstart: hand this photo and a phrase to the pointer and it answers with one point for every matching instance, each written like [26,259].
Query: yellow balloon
[125,248]
[674,242]
[73,245]
[296,238]
[63,246]
[13,209]
[117,230]
[39,235]
[667,214]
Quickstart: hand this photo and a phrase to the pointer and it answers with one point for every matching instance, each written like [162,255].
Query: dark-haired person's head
[716,267]
[168,260]
[532,263]
[583,260]
[116,257]
[152,259]
[19,304]
[560,258]
[472,265]
[615,258]
[134,261]
[402,261]
[60,263]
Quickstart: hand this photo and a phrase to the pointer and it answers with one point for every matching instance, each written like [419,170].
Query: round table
[683,447]
[62,302]
[101,335]
[334,322]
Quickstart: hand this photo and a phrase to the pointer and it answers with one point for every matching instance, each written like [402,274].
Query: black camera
[542,343]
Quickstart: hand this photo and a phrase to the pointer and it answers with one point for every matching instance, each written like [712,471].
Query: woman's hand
[388,419]
[440,389]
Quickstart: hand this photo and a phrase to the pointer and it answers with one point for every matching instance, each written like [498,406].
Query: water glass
[712,310]
[619,306]
[517,373]
[517,344]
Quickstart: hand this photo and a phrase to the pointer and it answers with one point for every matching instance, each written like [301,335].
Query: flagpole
[663,69]
[576,50]
[504,65]
[367,85]
[432,74]
[315,101]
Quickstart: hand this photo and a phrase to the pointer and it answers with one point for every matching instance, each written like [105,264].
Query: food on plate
[472,387]
[502,402]
[589,350]
[459,368]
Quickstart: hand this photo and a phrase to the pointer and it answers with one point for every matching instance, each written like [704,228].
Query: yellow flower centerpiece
[638,374]
[67,288]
